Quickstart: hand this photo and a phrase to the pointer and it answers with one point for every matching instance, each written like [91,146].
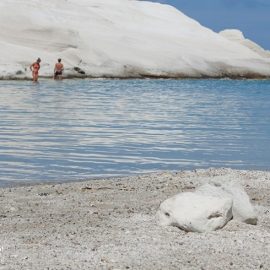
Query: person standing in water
[35,69]
[58,70]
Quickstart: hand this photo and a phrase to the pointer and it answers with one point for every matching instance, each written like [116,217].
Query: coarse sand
[111,224]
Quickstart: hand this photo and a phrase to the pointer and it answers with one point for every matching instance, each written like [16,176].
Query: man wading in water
[58,70]
[35,68]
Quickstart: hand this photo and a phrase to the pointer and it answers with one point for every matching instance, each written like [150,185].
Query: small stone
[43,194]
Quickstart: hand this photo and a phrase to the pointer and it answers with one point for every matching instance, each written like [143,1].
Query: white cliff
[238,37]
[120,38]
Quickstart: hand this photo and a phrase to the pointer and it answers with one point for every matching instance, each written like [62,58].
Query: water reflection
[68,130]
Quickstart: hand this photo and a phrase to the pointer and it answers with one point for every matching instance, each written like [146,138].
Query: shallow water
[77,129]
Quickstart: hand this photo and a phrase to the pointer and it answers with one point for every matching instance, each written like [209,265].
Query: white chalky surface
[119,38]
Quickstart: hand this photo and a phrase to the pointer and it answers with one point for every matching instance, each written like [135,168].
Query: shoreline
[143,77]
[4,184]
[110,224]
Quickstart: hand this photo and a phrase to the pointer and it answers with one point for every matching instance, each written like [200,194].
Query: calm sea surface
[77,129]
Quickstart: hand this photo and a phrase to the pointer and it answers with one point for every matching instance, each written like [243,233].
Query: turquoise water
[77,129]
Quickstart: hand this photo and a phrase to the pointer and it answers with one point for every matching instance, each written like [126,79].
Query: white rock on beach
[208,208]
[194,212]
[119,38]
[242,208]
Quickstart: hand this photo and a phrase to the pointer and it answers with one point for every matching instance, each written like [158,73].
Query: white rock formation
[242,208]
[208,208]
[119,38]
[238,37]
[194,212]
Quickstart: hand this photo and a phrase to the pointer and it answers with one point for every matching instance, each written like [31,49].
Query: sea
[70,130]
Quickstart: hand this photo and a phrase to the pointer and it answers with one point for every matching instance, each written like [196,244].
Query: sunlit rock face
[194,212]
[238,37]
[120,38]
[207,209]
[242,209]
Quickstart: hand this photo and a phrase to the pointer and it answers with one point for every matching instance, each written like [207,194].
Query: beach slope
[111,224]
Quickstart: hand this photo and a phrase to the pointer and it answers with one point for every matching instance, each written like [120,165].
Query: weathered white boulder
[194,212]
[209,208]
[242,208]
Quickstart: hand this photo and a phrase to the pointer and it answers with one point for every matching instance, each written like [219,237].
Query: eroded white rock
[209,208]
[194,212]
[242,208]
[120,38]
[238,37]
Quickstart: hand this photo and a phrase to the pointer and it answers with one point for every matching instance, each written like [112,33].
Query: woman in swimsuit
[58,70]
[35,68]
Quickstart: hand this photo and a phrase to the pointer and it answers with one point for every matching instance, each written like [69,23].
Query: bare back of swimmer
[58,70]
[35,69]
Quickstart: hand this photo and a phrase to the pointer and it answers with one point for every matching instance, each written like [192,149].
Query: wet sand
[111,224]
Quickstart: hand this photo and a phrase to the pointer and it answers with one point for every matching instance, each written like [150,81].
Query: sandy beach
[111,224]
